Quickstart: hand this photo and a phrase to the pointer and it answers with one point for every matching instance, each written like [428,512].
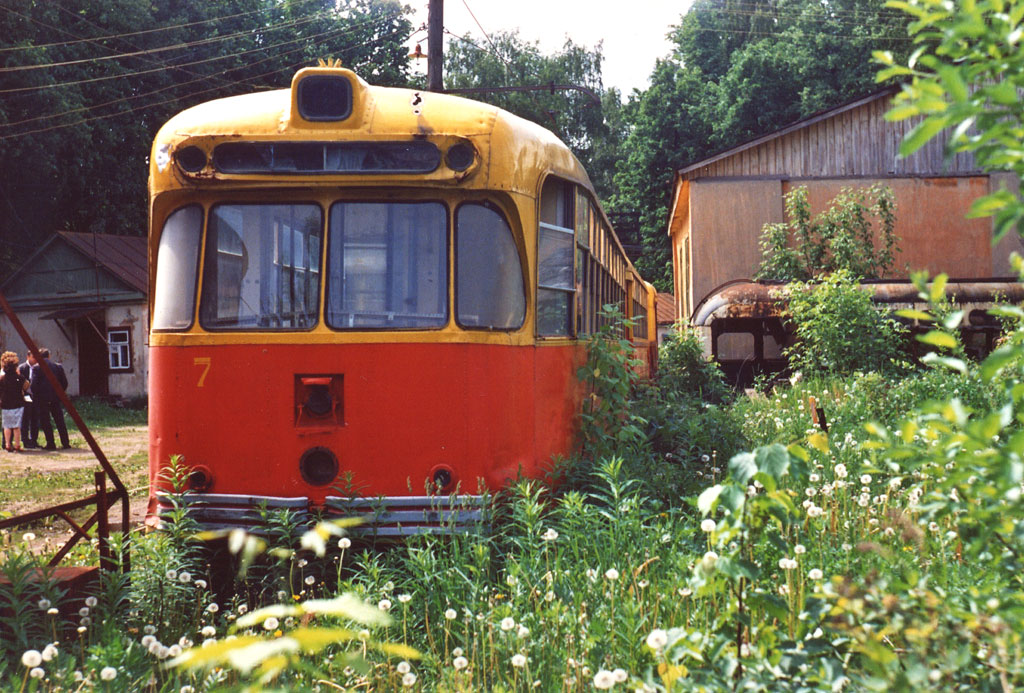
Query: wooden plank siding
[850,141]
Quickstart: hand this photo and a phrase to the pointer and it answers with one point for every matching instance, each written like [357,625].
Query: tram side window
[262,267]
[177,264]
[639,309]
[388,265]
[555,256]
[488,275]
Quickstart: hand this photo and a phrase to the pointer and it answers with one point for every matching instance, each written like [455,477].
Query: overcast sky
[633,32]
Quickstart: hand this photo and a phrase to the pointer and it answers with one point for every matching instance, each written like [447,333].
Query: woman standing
[12,400]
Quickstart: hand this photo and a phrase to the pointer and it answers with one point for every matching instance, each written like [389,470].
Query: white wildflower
[604,679]
[657,639]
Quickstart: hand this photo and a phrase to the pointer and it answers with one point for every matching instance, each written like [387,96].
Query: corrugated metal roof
[123,256]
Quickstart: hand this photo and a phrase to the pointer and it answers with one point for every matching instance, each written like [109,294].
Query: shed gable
[61,274]
[853,140]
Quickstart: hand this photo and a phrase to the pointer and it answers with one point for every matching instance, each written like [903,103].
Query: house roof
[792,127]
[123,256]
[665,308]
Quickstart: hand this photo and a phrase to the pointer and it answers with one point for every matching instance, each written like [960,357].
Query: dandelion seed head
[450,614]
[460,663]
[518,661]
[108,673]
[604,679]
[409,680]
[32,658]
[403,667]
[657,639]
[508,623]
[611,574]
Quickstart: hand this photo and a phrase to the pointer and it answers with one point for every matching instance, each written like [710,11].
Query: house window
[119,343]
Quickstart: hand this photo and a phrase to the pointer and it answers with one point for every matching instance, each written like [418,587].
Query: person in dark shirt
[47,403]
[29,424]
[12,400]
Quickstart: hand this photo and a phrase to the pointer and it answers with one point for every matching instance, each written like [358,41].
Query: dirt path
[33,479]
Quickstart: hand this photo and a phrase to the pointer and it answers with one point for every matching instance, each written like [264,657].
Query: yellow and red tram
[367,292]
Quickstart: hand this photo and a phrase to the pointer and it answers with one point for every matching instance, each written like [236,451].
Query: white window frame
[119,352]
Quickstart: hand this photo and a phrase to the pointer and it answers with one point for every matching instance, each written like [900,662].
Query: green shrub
[684,370]
[840,238]
[838,329]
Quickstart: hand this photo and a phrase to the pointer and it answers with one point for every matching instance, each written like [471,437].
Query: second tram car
[362,293]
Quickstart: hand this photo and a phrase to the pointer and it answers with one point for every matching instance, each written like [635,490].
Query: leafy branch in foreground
[966,74]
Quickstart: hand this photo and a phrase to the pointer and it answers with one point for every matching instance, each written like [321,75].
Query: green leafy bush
[840,238]
[684,371]
[838,330]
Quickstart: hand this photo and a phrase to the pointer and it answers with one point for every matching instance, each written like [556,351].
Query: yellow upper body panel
[512,154]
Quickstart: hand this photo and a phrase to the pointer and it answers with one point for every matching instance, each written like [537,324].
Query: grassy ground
[35,479]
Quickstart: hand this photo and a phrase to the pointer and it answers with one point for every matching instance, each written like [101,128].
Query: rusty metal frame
[101,498]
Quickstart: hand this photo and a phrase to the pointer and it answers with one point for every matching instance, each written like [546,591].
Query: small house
[84,297]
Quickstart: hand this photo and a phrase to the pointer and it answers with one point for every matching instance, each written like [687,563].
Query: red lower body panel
[485,413]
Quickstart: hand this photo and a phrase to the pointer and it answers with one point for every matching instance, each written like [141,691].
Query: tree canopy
[85,86]
[740,69]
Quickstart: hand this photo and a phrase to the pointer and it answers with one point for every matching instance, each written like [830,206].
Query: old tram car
[363,293]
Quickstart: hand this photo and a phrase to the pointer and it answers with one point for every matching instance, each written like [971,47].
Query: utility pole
[435,45]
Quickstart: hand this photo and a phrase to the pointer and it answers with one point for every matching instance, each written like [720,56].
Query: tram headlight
[324,98]
[459,156]
[200,479]
[192,159]
[443,478]
[318,466]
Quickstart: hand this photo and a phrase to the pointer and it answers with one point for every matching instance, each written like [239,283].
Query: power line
[178,46]
[134,33]
[136,73]
[304,40]
[171,100]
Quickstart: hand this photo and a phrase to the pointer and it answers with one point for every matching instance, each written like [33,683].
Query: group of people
[28,402]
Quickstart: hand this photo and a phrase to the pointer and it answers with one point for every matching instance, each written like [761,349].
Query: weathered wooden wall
[854,141]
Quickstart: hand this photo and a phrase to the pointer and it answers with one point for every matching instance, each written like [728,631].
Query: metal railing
[101,498]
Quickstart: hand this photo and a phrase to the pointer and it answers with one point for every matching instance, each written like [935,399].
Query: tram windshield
[262,267]
[388,265]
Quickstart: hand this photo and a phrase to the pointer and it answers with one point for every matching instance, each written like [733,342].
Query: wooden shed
[721,203]
[84,296]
